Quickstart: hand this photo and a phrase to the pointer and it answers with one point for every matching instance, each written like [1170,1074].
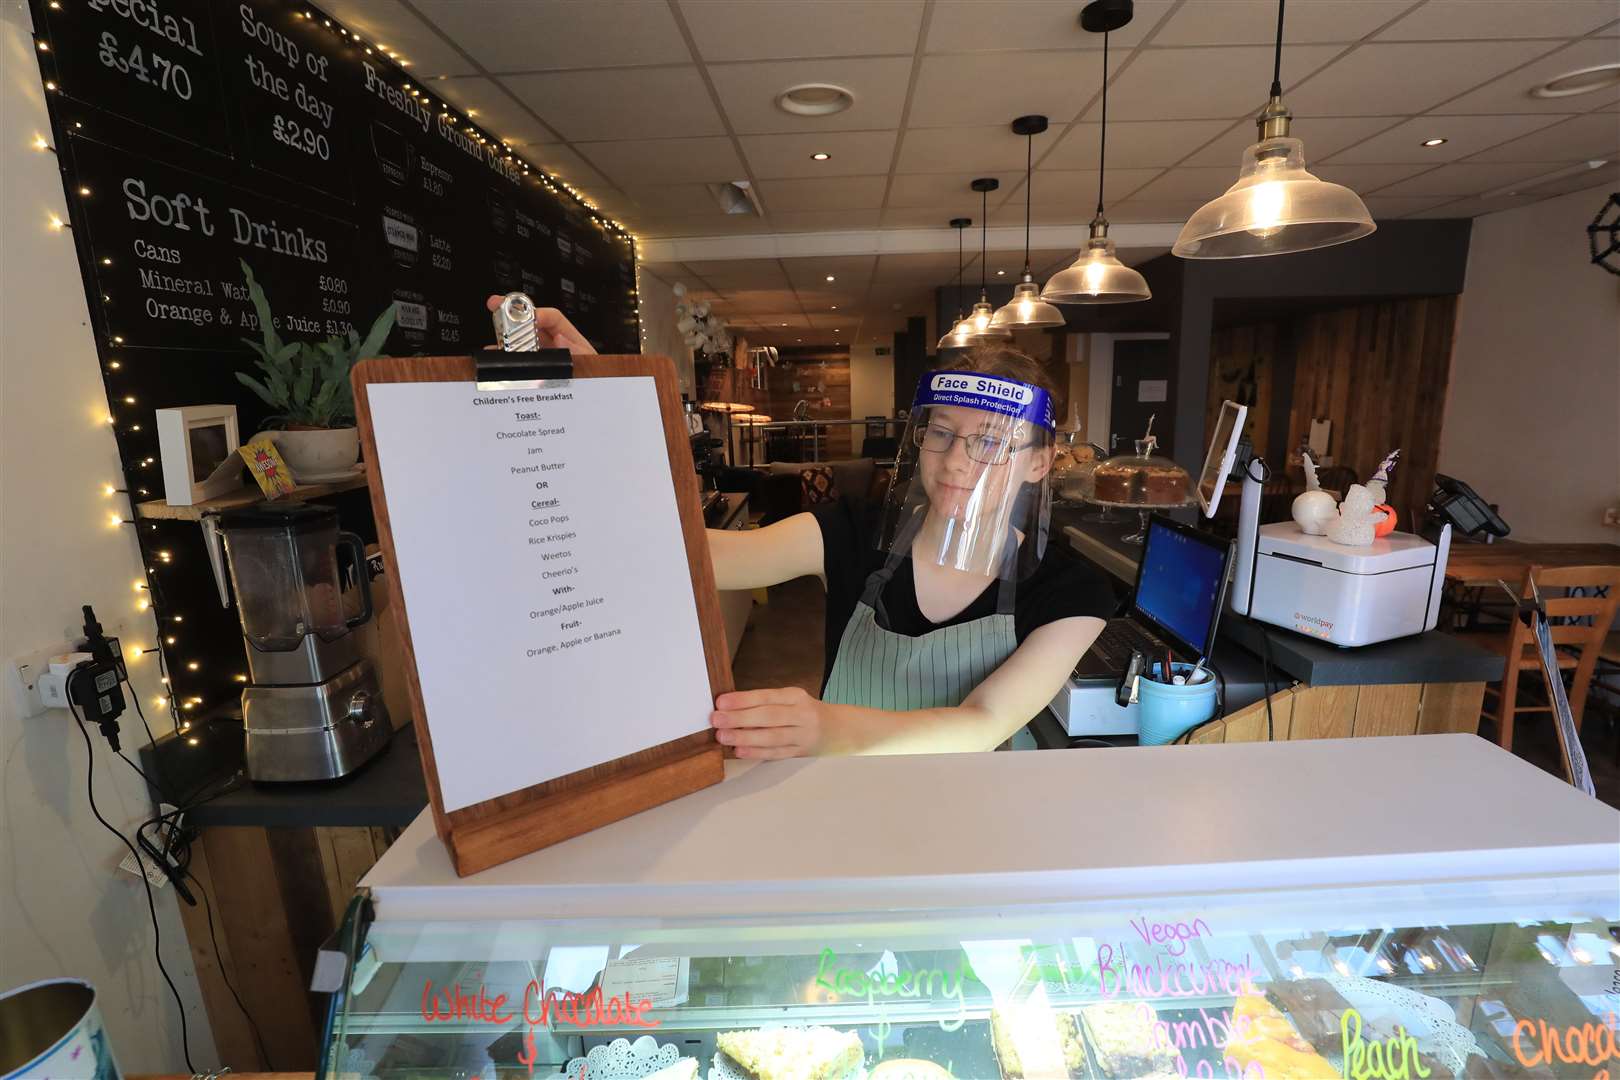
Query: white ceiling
[641,103]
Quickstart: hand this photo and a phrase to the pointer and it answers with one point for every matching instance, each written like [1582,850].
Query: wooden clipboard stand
[519,822]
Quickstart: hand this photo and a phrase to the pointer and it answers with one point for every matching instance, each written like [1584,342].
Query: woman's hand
[780,723]
[554,331]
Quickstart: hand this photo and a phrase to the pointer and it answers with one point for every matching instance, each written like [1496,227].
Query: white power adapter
[52,684]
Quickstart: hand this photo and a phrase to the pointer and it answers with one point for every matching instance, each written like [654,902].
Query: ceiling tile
[1254,22]
[563,162]
[726,274]
[520,35]
[1197,84]
[748,93]
[843,192]
[1136,211]
[1385,207]
[1365,178]
[1071,195]
[1134,145]
[965,26]
[1323,136]
[854,153]
[1400,80]
[1464,135]
[993,88]
[912,268]
[687,199]
[1463,178]
[641,103]
[825,220]
[1511,93]
[1606,176]
[849,271]
[1476,19]
[785,29]
[921,217]
[391,24]
[947,189]
[985,148]
[645,162]
[1467,208]
[664,226]
[493,109]
[1202,183]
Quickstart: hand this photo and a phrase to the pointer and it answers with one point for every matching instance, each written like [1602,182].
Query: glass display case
[1241,944]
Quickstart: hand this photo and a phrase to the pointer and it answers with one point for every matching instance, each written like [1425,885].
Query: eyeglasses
[985,449]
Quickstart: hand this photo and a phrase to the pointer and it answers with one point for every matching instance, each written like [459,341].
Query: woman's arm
[789,722]
[754,558]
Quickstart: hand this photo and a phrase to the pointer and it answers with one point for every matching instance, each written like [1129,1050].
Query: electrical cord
[1265,671]
[151,903]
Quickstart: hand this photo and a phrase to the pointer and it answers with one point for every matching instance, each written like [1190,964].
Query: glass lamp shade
[1097,277]
[1275,207]
[1026,310]
[961,335]
[982,321]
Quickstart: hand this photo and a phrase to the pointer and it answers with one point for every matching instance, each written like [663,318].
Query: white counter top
[1313,820]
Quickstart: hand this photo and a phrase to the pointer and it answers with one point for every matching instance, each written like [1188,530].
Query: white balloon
[679,289]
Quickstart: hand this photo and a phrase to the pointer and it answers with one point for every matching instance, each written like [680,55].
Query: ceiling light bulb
[1266,203]
[1434,142]
[820,155]
[831,278]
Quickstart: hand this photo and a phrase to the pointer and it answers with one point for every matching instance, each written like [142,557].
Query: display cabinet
[1434,909]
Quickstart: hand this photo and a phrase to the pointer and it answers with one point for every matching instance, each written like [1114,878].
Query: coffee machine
[312,709]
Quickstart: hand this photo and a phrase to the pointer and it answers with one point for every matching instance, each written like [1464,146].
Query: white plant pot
[321,453]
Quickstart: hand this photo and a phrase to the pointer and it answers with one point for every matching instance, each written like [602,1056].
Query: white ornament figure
[1381,478]
[679,289]
[1313,508]
[1355,524]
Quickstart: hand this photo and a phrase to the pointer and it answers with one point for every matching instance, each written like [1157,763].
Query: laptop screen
[1180,584]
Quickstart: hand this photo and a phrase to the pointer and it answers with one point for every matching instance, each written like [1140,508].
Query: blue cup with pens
[1169,709]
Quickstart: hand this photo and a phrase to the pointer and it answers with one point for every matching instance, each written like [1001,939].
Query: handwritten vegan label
[1395,1058]
[1170,934]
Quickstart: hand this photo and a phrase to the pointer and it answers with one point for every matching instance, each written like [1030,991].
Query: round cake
[1139,482]
[908,1069]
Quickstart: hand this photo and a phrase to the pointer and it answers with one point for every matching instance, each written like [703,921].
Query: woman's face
[953,480]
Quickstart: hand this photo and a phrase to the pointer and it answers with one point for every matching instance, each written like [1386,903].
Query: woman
[948,625]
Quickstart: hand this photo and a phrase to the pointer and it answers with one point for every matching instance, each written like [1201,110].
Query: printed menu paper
[541,558]
[662,981]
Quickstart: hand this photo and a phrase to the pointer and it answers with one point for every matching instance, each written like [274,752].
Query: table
[1474,565]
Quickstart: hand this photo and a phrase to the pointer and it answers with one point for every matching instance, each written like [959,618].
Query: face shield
[971,488]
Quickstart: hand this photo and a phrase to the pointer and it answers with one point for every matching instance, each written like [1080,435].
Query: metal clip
[520,364]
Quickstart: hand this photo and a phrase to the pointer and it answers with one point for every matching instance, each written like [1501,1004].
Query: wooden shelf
[158,510]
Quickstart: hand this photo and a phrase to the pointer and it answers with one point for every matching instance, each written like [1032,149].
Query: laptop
[1180,590]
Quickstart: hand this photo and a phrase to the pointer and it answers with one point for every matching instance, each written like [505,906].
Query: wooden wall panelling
[803,365]
[1450,707]
[248,910]
[1390,709]
[1242,362]
[233,1038]
[1323,712]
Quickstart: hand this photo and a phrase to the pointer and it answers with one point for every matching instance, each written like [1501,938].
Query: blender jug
[295,614]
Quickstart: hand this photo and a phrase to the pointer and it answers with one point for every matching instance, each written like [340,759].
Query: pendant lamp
[1026,310]
[1276,206]
[1097,276]
[960,335]
[983,314]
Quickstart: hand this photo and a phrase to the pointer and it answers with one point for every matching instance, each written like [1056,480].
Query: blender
[312,709]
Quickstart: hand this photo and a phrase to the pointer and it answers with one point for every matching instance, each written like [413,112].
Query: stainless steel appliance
[313,709]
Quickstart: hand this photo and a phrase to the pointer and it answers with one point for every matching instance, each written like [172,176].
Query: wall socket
[23,671]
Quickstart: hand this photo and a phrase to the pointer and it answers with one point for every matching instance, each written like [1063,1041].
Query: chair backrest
[1579,622]
[880,446]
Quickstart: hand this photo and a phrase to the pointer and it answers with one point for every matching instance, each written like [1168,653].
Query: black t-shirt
[1059,588]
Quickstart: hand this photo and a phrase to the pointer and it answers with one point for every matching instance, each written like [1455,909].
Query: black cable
[1276,63]
[162,791]
[258,1038]
[1029,182]
[1102,139]
[140,867]
[1265,643]
[959,275]
[984,238]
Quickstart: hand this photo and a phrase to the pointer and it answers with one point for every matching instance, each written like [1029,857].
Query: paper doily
[621,1059]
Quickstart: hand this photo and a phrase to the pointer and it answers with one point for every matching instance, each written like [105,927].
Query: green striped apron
[880,669]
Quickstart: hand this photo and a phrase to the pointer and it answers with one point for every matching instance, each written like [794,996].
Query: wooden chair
[1580,644]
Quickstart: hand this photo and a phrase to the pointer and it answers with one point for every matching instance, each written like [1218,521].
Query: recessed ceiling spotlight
[1001,273]
[1434,142]
[820,155]
[1580,81]
[784,326]
[831,278]
[835,307]
[814,99]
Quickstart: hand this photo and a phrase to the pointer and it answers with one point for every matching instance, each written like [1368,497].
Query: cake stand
[1142,511]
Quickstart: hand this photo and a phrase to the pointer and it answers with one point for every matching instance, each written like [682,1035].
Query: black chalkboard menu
[196,135]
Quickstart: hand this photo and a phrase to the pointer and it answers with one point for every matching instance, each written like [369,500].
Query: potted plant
[308,386]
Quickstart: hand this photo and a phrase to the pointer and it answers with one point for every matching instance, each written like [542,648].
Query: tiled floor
[783,648]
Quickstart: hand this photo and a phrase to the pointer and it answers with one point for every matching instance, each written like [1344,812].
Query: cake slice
[816,1053]
[684,1069]
[1263,1036]
[1122,1036]
[1032,1042]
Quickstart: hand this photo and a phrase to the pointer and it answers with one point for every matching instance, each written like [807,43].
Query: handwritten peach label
[1395,1058]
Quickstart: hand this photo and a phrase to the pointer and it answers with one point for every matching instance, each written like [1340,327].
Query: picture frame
[197,446]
